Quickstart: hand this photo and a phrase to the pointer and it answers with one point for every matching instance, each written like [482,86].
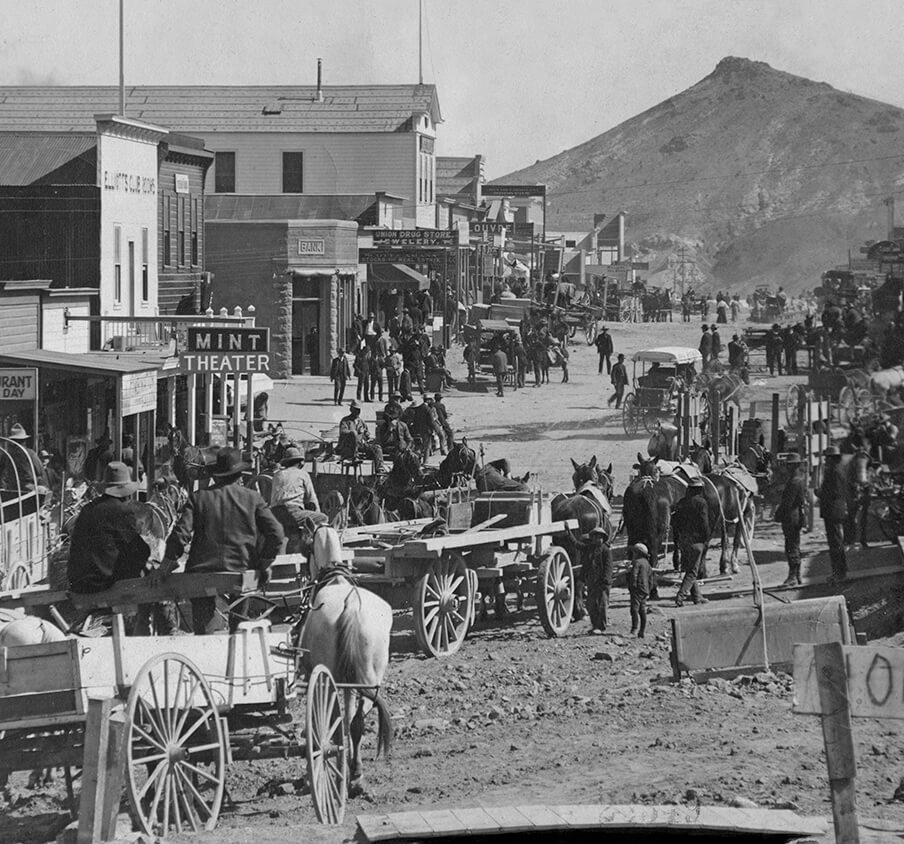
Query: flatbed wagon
[184,707]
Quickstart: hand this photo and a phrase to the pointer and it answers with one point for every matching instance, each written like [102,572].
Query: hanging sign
[415,237]
[138,392]
[226,350]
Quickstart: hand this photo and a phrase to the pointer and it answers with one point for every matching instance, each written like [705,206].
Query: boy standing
[640,581]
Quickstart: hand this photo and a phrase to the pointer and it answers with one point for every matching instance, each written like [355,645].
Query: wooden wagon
[179,708]
[441,578]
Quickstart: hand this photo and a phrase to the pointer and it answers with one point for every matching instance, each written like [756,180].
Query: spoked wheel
[795,403]
[847,405]
[326,746]
[555,591]
[175,748]
[865,401]
[590,331]
[442,606]
[630,416]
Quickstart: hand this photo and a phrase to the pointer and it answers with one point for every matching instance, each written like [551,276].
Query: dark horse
[401,495]
[190,462]
[460,465]
[588,546]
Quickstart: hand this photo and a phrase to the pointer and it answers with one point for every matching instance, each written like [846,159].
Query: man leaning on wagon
[229,528]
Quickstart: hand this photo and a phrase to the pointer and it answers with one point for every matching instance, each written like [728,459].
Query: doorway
[306,353]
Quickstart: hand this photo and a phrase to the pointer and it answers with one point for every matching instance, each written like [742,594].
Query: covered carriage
[665,373]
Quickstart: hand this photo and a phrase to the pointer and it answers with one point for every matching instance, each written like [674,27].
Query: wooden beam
[436,545]
[101,774]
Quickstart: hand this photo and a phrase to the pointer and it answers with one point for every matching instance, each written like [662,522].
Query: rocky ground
[518,718]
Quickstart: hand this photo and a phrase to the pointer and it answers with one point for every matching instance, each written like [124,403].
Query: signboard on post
[226,350]
[513,190]
[138,392]
[415,237]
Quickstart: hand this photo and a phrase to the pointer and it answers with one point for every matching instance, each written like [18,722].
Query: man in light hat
[227,527]
[354,438]
[833,510]
[640,584]
[691,528]
[20,466]
[792,513]
[292,485]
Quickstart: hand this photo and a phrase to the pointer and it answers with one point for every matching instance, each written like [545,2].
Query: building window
[145,281]
[180,224]
[132,271]
[571,244]
[167,240]
[117,265]
[224,172]
[293,172]
[195,210]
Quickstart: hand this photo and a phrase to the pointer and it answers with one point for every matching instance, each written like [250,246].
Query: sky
[518,80]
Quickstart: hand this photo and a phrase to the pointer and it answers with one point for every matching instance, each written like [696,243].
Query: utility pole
[122,73]
[420,42]
[682,267]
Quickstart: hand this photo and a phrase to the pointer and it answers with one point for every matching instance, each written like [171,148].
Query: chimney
[319,96]
[890,205]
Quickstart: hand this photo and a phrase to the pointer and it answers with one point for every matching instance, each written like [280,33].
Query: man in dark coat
[735,352]
[640,584]
[604,349]
[442,414]
[339,375]
[392,433]
[500,369]
[791,512]
[774,347]
[716,343]
[619,381]
[691,528]
[790,345]
[833,510]
[706,344]
[354,438]
[228,528]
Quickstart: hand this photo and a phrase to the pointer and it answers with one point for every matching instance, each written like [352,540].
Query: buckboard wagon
[178,708]
[497,540]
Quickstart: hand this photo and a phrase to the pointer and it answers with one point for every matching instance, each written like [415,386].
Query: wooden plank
[875,680]
[810,581]
[542,817]
[442,822]
[838,738]
[376,827]
[94,771]
[476,820]
[510,819]
[411,824]
[436,545]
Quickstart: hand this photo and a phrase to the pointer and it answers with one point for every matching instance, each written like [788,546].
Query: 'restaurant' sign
[513,190]
[226,350]
[400,256]
[415,237]
[19,384]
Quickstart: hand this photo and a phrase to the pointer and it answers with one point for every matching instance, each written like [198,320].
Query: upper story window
[224,172]
[293,172]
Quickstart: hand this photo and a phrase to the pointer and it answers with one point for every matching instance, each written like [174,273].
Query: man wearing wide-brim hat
[692,531]
[833,510]
[292,486]
[20,466]
[228,528]
[792,513]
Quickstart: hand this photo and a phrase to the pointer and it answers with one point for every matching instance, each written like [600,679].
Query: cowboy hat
[118,480]
[229,463]
[292,455]
[17,432]
[438,396]
[353,405]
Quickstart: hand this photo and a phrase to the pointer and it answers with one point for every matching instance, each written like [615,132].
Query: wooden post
[839,742]
[714,422]
[236,407]
[773,439]
[101,773]
[208,406]
[249,416]
[191,428]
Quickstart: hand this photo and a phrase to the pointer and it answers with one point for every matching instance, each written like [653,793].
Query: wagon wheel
[847,405]
[555,591]
[442,607]
[795,402]
[865,401]
[590,331]
[630,417]
[626,312]
[334,508]
[326,747]
[175,748]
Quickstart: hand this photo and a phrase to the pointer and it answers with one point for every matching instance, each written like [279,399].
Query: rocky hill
[763,177]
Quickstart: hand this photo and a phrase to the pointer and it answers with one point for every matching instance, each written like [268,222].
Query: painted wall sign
[513,190]
[433,257]
[223,362]
[228,340]
[181,182]
[18,384]
[129,182]
[415,237]
[138,392]
[311,247]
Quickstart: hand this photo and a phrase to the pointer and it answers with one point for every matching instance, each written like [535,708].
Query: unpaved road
[515,717]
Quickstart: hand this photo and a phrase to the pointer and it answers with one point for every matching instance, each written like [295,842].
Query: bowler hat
[832,451]
[292,455]
[638,549]
[118,480]
[229,462]
[792,459]
[438,396]
[17,432]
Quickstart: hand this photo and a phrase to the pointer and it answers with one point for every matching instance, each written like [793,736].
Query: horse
[458,466]
[664,442]
[588,546]
[347,630]
[190,462]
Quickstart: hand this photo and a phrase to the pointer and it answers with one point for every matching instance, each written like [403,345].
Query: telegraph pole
[683,263]
[122,72]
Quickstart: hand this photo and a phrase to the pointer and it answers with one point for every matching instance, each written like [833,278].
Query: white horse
[347,630]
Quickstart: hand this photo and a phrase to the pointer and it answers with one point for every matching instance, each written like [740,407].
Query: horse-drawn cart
[184,707]
[442,577]
[666,373]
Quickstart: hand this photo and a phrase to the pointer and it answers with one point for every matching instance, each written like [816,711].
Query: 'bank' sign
[19,384]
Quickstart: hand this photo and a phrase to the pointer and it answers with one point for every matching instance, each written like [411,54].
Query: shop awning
[88,363]
[312,272]
[396,275]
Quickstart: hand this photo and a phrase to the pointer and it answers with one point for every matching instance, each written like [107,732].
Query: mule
[347,629]
[647,507]
[190,462]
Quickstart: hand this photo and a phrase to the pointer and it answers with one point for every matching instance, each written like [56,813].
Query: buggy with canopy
[665,373]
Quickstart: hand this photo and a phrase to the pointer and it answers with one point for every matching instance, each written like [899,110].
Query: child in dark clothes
[640,582]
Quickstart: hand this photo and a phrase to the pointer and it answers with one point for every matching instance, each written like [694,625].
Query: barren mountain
[763,177]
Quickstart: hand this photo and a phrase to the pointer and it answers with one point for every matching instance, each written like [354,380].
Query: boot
[793,578]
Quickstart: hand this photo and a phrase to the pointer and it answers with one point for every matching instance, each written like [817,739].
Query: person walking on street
[604,349]
[774,349]
[717,343]
[692,531]
[791,512]
[790,344]
[500,368]
[442,413]
[640,583]
[735,306]
[228,528]
[339,374]
[706,345]
[395,364]
[619,381]
[833,511]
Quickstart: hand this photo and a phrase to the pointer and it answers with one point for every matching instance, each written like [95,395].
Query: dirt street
[516,717]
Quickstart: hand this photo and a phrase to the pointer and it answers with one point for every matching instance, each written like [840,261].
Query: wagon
[666,373]
[441,578]
[188,706]
[581,318]
[846,388]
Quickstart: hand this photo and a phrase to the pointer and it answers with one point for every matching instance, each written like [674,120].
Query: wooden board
[875,681]
[440,823]
[714,639]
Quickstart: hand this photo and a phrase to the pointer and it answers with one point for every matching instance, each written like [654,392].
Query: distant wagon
[665,374]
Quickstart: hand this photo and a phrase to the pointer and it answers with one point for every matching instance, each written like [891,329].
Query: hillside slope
[763,176]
